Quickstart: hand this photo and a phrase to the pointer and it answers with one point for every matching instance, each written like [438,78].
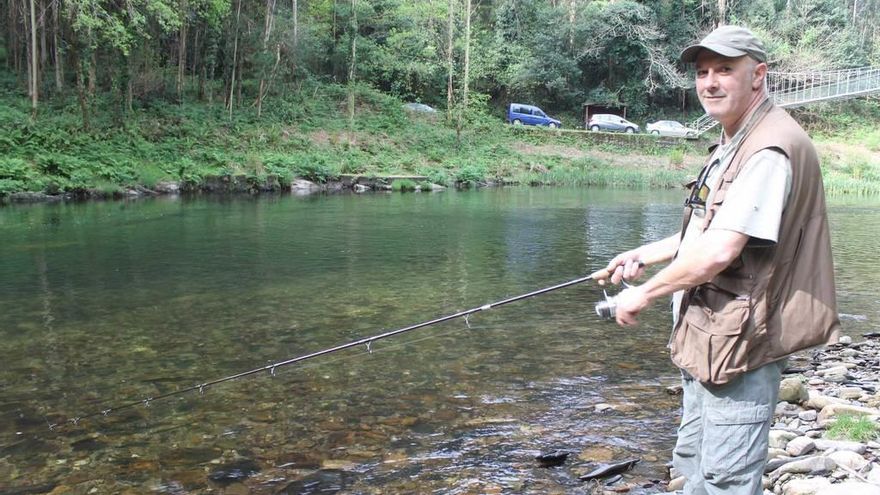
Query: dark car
[521,114]
[611,123]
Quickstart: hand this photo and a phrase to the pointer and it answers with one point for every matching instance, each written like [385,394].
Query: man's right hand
[625,266]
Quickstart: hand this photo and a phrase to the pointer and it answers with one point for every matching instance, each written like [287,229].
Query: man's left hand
[631,302]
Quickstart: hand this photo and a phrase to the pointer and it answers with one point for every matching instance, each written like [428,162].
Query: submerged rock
[237,470]
[609,469]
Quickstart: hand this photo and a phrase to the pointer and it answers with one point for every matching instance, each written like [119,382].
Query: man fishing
[750,271]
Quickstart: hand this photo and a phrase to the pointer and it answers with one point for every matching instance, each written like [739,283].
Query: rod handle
[605,273]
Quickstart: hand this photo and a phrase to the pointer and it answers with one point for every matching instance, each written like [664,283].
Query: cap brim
[689,54]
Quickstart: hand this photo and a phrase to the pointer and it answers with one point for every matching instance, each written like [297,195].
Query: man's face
[728,86]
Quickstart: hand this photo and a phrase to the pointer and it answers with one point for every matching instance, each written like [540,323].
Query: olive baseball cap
[727,41]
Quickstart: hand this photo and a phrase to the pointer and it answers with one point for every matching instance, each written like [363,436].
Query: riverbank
[165,148]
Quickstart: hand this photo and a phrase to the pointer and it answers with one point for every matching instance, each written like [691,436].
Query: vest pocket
[709,344]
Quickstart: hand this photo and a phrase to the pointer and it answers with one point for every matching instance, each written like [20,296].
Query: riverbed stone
[800,446]
[825,444]
[849,459]
[873,475]
[808,415]
[849,393]
[811,464]
[850,488]
[792,390]
[167,187]
[831,411]
[808,486]
[773,453]
[676,484]
[780,438]
[845,340]
[819,401]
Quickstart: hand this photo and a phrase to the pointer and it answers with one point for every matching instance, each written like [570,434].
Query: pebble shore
[819,387]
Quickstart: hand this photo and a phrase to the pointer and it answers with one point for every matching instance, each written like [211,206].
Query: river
[105,304]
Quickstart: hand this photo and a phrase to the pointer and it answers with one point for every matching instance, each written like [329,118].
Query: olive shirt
[753,205]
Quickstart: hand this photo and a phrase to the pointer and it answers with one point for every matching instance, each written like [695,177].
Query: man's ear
[759,76]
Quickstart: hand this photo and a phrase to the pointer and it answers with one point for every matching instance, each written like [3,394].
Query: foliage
[856,428]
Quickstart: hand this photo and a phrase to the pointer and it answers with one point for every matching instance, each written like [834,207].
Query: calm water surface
[103,304]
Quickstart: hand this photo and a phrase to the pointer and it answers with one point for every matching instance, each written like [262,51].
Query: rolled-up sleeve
[757,197]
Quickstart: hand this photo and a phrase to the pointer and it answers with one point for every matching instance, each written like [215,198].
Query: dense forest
[558,53]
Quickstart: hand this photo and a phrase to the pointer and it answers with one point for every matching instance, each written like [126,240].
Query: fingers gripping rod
[364,341]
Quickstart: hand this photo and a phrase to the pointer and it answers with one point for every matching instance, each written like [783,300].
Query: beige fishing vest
[771,301]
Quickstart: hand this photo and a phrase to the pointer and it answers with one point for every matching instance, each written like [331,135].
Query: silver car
[611,123]
[671,128]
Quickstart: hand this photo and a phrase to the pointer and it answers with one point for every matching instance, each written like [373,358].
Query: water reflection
[107,302]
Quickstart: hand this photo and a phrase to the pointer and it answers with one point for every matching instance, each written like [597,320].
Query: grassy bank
[309,136]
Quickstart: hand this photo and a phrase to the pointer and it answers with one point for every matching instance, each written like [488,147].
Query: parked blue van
[520,114]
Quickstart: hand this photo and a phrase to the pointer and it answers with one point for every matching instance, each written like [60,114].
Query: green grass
[856,428]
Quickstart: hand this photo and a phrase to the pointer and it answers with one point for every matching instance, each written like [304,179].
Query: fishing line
[367,342]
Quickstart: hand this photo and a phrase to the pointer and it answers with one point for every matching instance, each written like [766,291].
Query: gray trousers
[723,437]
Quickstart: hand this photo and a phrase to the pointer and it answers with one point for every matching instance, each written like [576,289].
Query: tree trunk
[231,101]
[80,78]
[194,67]
[181,50]
[467,54]
[267,33]
[722,13]
[56,41]
[450,27]
[44,46]
[572,11]
[351,67]
[294,52]
[35,69]
[93,64]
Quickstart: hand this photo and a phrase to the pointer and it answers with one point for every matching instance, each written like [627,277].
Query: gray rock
[676,484]
[302,185]
[360,188]
[815,463]
[849,459]
[850,488]
[874,474]
[849,393]
[808,415]
[773,453]
[800,446]
[792,390]
[839,369]
[837,445]
[831,411]
[809,486]
[167,187]
[818,401]
[776,463]
[780,438]
[845,340]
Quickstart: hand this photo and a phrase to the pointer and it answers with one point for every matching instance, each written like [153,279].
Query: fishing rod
[367,341]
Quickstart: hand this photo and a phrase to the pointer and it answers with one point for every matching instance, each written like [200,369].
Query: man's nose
[710,80]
